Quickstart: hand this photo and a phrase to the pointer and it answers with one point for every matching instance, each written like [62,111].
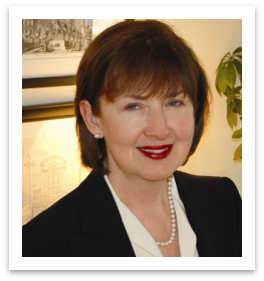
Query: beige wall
[211,40]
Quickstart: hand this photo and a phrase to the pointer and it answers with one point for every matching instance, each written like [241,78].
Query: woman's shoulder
[65,208]
[46,234]
[57,211]
[202,178]
[214,185]
[214,209]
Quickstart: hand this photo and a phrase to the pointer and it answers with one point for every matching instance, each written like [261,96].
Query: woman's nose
[156,124]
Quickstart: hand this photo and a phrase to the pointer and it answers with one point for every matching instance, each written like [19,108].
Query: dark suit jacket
[86,222]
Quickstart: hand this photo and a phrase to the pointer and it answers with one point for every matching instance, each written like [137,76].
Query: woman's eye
[175,103]
[132,107]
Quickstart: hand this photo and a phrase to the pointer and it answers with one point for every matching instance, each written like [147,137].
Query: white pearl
[172,207]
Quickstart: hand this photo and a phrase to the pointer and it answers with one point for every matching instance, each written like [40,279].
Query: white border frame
[16,262]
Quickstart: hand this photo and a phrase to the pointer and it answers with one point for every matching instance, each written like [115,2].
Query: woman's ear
[91,121]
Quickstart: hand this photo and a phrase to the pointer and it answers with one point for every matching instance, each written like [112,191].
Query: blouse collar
[141,240]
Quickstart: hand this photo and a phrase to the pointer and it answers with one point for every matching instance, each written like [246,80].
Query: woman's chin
[158,175]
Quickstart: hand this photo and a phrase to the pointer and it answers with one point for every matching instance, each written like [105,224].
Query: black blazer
[86,222]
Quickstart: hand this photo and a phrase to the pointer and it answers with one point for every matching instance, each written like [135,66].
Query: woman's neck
[135,191]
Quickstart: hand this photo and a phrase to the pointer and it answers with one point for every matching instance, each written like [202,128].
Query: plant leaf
[237,134]
[227,91]
[238,153]
[237,50]
[231,98]
[232,119]
[216,82]
[225,58]
[231,74]
[238,56]
[238,106]
[222,81]
[223,61]
[231,115]
[239,88]
[235,91]
[238,65]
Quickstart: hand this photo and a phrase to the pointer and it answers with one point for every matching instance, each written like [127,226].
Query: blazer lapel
[208,212]
[103,233]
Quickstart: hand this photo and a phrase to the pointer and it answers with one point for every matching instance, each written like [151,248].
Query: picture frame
[50,65]
[51,71]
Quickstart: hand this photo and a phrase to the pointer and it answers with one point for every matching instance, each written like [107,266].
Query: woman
[141,107]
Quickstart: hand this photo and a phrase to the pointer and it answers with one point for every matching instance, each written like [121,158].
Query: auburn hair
[143,57]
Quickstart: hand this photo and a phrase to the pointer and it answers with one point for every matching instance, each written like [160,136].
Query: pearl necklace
[173,216]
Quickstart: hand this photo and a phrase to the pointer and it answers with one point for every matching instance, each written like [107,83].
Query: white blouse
[142,242]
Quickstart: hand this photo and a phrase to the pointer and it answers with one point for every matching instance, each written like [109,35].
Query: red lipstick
[156,152]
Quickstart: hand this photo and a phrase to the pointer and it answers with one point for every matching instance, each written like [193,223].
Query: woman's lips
[156,152]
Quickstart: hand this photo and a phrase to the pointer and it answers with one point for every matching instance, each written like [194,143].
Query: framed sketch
[50,62]
[54,47]
[51,166]
[43,37]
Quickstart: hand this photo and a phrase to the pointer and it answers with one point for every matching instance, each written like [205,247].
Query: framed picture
[54,47]
[49,66]
[51,165]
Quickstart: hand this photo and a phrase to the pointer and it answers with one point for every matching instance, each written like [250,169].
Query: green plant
[229,82]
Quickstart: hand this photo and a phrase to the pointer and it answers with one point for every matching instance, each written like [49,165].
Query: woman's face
[147,137]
